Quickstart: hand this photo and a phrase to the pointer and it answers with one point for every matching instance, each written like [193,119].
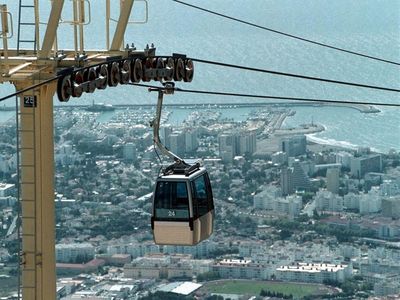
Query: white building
[314,272]
[371,202]
[73,252]
[177,143]
[191,141]
[352,201]
[265,199]
[290,205]
[326,200]
[344,159]
[238,268]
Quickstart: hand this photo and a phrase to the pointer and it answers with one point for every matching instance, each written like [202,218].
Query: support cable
[272,72]
[288,34]
[295,75]
[322,101]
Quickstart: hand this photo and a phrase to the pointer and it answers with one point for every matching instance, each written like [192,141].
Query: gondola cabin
[183,207]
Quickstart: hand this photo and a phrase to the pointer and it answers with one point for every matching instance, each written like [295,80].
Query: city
[289,212]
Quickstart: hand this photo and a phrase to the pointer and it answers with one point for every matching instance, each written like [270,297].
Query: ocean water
[368,26]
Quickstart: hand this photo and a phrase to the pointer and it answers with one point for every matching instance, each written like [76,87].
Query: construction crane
[77,71]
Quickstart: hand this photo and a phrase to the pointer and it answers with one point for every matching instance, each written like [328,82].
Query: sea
[368,26]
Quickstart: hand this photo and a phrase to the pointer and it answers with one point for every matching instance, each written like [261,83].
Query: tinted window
[200,195]
[209,193]
[171,200]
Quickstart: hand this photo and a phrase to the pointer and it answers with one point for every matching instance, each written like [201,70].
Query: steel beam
[37,193]
[51,29]
[125,12]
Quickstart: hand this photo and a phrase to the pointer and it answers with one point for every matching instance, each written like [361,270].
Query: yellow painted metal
[37,195]
[125,11]
[36,138]
[37,22]
[4,32]
[51,30]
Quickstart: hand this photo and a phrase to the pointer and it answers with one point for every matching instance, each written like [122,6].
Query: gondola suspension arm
[168,90]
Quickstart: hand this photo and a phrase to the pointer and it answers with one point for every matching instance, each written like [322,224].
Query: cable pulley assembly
[131,69]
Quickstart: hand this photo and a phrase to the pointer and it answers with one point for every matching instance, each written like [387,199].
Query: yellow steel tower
[24,68]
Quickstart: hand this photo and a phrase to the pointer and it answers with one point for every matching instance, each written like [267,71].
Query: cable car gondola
[183,205]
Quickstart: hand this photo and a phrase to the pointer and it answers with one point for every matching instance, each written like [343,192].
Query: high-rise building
[361,165]
[227,147]
[246,143]
[177,143]
[129,151]
[294,145]
[332,180]
[294,178]
[191,141]
[165,132]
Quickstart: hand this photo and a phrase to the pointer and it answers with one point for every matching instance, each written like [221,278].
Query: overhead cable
[288,34]
[322,101]
[295,75]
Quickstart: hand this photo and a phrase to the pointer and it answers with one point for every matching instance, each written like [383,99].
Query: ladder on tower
[27,173]
[27,28]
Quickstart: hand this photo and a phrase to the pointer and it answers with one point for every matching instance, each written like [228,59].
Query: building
[240,268]
[359,166]
[191,140]
[177,143]
[332,180]
[160,266]
[247,143]
[371,202]
[74,252]
[344,158]
[391,207]
[291,205]
[129,152]
[279,158]
[326,200]
[294,145]
[294,178]
[227,149]
[165,132]
[352,201]
[314,272]
[265,199]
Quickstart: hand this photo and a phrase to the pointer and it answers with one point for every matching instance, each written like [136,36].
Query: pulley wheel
[125,69]
[90,75]
[147,68]
[113,70]
[189,70]
[179,69]
[158,65]
[77,80]
[64,88]
[136,70]
[170,69]
[102,77]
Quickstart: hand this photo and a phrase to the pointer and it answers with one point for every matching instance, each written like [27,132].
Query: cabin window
[171,200]
[209,193]
[200,196]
